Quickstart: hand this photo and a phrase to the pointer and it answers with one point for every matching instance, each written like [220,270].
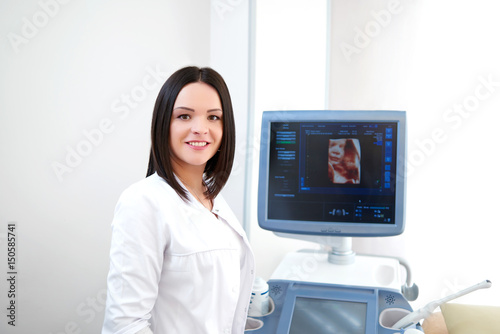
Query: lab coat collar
[220,208]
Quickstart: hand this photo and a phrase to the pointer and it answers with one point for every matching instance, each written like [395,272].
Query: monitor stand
[338,264]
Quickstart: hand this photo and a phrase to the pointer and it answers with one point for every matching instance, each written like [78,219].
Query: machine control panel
[304,307]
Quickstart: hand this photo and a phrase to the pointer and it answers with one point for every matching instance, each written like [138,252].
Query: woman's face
[336,150]
[196,125]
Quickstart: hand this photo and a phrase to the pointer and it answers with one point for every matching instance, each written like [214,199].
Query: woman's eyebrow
[185,108]
[191,109]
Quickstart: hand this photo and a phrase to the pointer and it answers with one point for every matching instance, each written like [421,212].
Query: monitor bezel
[341,229]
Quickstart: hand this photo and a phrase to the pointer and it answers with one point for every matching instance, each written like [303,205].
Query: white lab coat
[174,266]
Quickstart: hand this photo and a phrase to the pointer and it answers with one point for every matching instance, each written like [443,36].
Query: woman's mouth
[198,143]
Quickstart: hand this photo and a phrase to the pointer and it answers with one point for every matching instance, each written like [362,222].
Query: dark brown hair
[218,168]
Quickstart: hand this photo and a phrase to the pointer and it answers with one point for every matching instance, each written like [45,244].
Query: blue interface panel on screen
[332,173]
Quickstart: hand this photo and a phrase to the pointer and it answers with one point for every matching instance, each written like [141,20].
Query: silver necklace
[194,193]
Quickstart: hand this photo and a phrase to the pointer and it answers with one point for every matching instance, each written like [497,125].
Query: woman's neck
[192,182]
[192,178]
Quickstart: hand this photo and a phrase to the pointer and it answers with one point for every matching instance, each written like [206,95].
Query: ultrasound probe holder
[364,271]
[339,265]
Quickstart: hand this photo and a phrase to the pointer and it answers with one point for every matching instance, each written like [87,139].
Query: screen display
[322,316]
[342,171]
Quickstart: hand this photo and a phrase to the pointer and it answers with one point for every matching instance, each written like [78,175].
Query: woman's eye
[183,117]
[213,117]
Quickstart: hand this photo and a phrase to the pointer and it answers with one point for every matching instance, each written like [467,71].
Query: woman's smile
[198,144]
[196,125]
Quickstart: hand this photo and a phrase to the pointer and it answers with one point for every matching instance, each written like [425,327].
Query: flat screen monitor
[333,172]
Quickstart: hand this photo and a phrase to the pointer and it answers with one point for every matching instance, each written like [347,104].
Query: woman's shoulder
[152,189]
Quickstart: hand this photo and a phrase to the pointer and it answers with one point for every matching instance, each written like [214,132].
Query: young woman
[180,261]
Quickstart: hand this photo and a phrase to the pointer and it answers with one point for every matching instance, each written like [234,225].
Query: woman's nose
[199,125]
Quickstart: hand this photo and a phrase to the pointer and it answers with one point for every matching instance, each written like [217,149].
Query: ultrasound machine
[327,176]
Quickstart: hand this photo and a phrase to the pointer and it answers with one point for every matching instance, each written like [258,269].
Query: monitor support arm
[340,248]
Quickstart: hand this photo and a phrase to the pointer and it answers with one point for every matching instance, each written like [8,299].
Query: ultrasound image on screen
[340,162]
[344,161]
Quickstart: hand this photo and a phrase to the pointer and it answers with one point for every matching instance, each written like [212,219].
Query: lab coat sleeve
[136,256]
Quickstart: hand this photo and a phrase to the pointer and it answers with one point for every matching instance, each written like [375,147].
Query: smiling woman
[196,128]
[187,94]
[180,260]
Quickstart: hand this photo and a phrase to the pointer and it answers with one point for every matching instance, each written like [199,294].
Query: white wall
[290,73]
[432,59]
[71,70]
